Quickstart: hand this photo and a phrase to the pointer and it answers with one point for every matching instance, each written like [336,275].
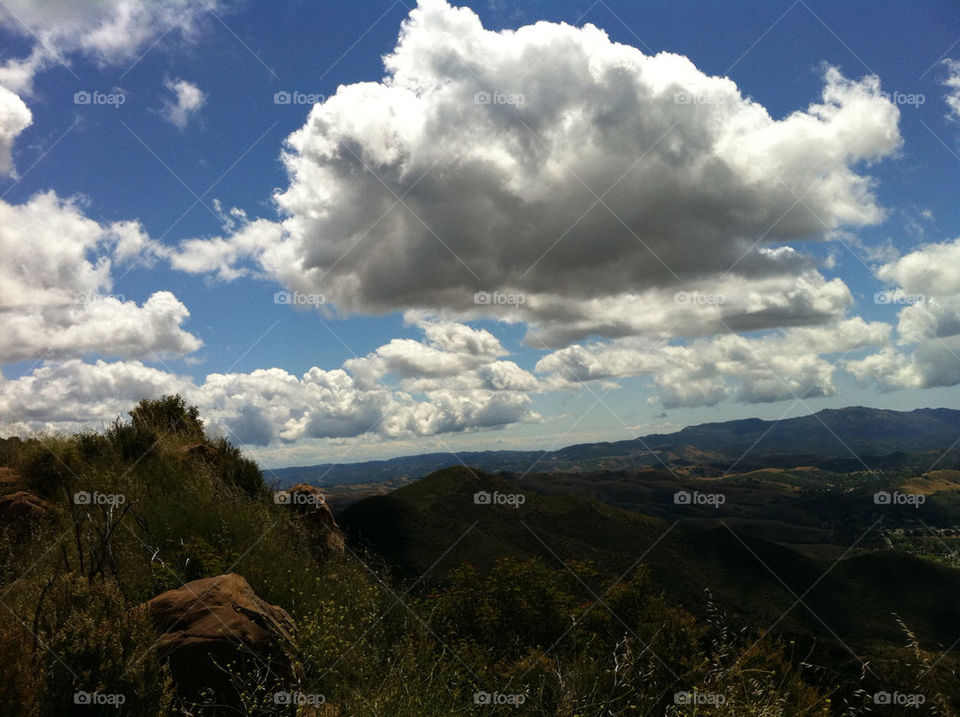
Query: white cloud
[932,364]
[931,269]
[98,325]
[187,101]
[72,394]
[695,179]
[17,74]
[15,117]
[273,406]
[108,31]
[775,367]
[224,257]
[56,284]
[952,83]
[926,285]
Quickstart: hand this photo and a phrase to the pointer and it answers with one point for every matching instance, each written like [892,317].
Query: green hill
[427,528]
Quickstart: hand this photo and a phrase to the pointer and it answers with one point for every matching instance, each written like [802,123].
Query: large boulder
[216,626]
[310,506]
[22,510]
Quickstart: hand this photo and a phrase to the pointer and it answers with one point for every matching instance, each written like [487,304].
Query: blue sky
[862,193]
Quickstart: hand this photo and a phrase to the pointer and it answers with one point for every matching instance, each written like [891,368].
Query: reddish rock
[311,506]
[221,621]
[23,508]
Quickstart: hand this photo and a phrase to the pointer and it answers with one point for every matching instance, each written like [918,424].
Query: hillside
[412,526]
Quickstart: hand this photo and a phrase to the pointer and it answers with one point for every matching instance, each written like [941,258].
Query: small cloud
[189,99]
[952,83]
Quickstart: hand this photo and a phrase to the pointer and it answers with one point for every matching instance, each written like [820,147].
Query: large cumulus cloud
[553,163]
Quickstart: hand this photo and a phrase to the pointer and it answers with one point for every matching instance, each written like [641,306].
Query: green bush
[91,642]
[169,415]
[236,470]
[50,466]
[132,442]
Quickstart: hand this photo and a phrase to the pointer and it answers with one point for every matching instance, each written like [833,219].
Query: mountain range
[851,438]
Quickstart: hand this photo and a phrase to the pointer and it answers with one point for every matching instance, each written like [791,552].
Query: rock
[311,506]
[221,621]
[23,509]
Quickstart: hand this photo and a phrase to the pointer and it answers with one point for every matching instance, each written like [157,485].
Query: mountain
[830,432]
[850,437]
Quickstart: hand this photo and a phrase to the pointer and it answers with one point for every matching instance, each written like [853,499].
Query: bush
[169,415]
[50,466]
[92,643]
[235,470]
[20,683]
[132,443]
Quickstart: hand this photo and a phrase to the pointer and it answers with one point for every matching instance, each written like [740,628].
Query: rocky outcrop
[22,510]
[310,506]
[209,628]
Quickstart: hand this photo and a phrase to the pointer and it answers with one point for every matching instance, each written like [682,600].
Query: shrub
[235,470]
[131,442]
[92,643]
[20,682]
[50,466]
[169,415]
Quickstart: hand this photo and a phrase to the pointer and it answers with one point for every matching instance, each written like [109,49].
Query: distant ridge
[845,433]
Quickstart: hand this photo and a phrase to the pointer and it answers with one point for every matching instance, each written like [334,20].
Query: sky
[348,231]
